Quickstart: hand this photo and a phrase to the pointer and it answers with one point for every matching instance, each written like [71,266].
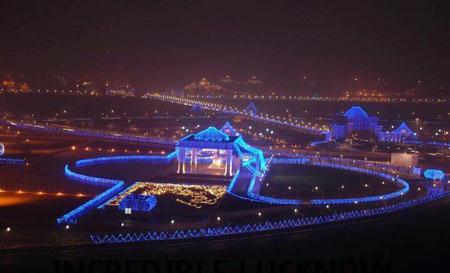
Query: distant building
[354,121]
[402,133]
[203,88]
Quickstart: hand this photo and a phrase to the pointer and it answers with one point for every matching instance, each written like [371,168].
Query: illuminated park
[208,181]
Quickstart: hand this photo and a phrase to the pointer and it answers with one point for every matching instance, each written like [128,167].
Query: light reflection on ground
[19,197]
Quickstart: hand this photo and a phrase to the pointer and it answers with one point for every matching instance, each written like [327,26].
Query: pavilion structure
[219,152]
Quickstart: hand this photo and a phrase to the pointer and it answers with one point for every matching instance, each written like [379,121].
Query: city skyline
[154,45]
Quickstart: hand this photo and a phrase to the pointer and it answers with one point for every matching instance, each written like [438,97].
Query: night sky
[156,43]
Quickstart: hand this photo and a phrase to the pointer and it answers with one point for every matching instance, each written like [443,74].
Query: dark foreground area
[413,241]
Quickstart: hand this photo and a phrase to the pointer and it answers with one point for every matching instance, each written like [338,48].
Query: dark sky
[154,43]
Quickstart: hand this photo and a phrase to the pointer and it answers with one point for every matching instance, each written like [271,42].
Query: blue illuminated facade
[400,135]
[354,121]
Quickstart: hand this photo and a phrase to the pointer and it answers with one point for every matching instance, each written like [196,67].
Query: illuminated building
[402,133]
[357,122]
[221,149]
[202,87]
[354,121]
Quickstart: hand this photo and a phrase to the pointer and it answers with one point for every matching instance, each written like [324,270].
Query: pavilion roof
[403,129]
[356,112]
[229,130]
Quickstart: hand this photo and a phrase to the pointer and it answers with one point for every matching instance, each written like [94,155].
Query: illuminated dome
[2,149]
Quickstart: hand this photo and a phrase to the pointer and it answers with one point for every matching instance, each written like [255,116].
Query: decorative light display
[249,114]
[117,185]
[2,149]
[260,227]
[192,195]
[212,134]
[124,159]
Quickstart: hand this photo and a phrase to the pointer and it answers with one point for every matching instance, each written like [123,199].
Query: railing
[123,159]
[12,161]
[72,216]
[260,227]
[254,195]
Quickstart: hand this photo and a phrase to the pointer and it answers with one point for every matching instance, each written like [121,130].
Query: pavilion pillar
[194,152]
[226,164]
[230,162]
[194,155]
[178,160]
[183,156]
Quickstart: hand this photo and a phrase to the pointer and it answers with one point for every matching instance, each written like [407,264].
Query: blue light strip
[11,161]
[72,216]
[117,185]
[274,201]
[283,201]
[191,102]
[233,181]
[90,179]
[259,153]
[123,159]
[374,198]
[261,227]
[432,143]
